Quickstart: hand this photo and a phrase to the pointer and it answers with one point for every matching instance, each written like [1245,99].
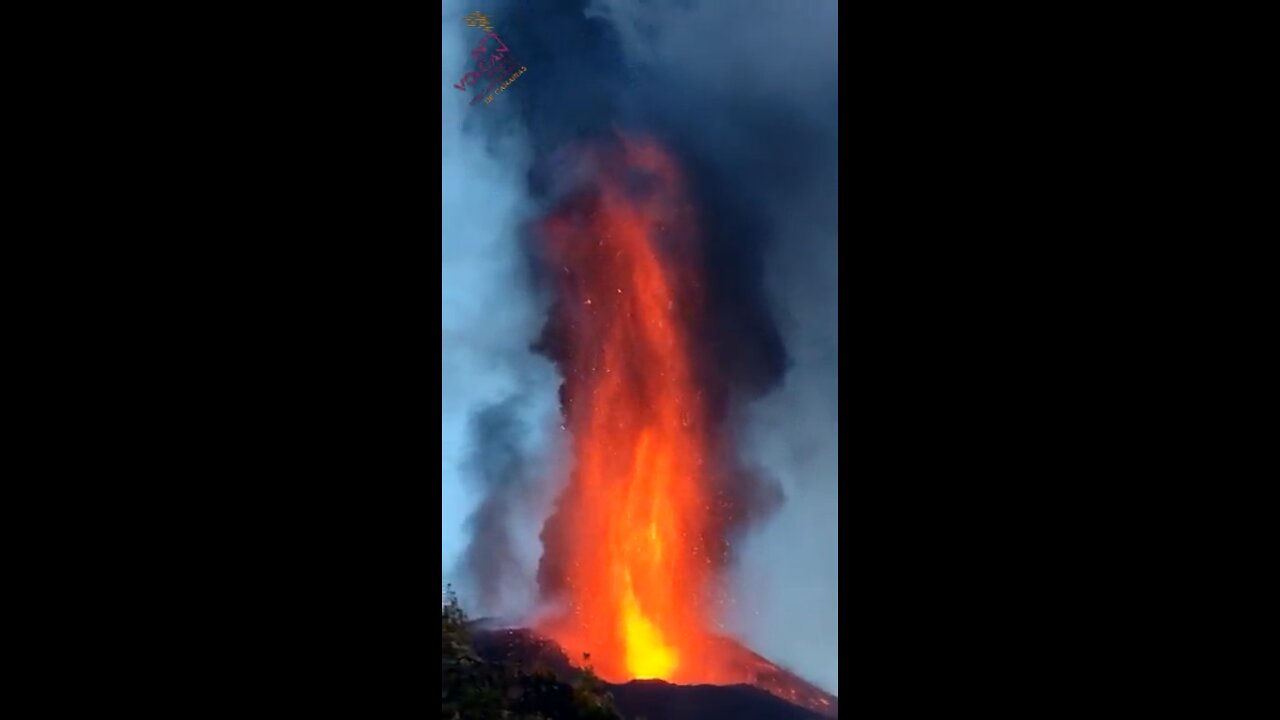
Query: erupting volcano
[633,553]
[634,529]
[649,226]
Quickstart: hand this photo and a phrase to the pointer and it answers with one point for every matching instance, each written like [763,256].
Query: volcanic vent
[633,552]
[771,693]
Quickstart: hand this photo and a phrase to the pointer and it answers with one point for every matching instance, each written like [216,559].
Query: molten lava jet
[636,548]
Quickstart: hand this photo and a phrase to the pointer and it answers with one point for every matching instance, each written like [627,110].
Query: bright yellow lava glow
[648,657]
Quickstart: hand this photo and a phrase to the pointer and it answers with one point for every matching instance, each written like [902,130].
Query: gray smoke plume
[500,463]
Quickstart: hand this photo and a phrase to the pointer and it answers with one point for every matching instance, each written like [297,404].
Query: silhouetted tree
[472,689]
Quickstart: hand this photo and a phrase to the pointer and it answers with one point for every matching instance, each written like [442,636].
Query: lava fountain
[632,547]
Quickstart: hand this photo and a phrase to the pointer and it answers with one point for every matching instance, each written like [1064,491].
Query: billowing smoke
[744,95]
[501,464]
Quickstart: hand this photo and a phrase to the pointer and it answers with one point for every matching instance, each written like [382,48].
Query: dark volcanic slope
[656,700]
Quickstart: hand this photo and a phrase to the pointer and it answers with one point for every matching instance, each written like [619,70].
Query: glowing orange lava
[640,580]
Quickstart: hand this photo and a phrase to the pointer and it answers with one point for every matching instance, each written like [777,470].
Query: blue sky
[479,198]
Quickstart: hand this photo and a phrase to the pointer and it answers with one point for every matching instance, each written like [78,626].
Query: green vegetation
[472,689]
